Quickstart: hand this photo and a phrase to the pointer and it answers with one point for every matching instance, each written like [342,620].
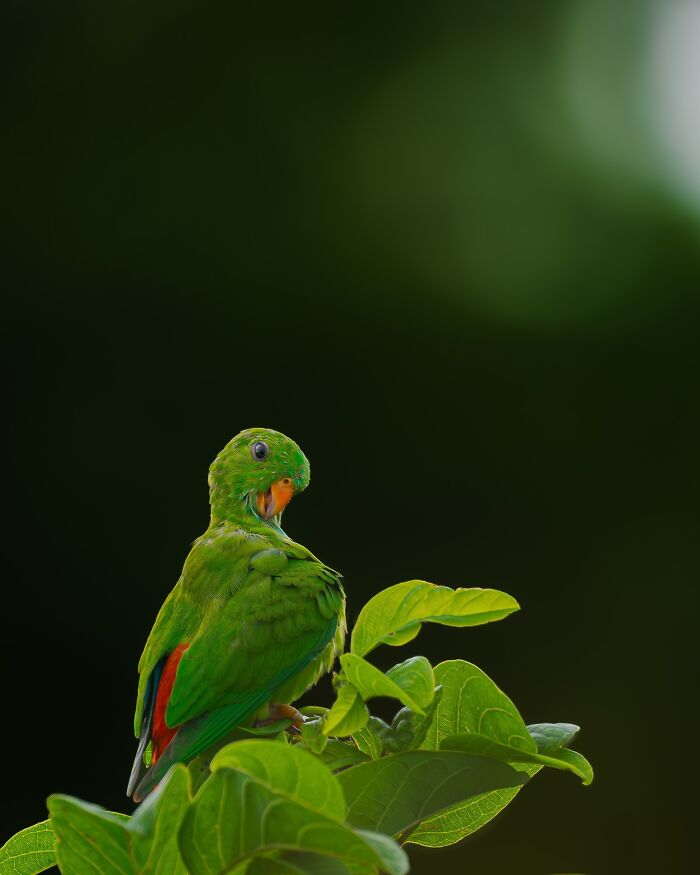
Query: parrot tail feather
[146,723]
[198,735]
[153,725]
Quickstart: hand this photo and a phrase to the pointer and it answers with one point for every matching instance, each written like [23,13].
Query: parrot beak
[276,498]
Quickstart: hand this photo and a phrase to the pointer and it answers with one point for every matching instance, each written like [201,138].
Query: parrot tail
[146,723]
[153,725]
[198,735]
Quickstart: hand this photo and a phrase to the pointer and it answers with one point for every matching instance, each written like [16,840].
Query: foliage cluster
[344,796]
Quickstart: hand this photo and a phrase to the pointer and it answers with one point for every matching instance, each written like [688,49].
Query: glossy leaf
[348,714]
[411,682]
[552,740]
[550,737]
[471,702]
[367,739]
[312,735]
[89,840]
[286,769]
[92,841]
[396,792]
[384,735]
[235,817]
[29,851]
[461,820]
[300,863]
[408,729]
[338,754]
[269,730]
[395,615]
[470,699]
[479,745]
[32,850]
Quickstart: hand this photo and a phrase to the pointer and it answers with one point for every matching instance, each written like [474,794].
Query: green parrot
[254,620]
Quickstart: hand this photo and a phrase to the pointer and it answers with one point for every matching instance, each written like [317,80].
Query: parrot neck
[243,514]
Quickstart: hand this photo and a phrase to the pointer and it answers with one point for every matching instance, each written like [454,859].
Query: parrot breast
[161,733]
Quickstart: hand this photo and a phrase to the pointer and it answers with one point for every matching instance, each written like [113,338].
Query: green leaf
[300,863]
[348,714]
[235,816]
[367,739]
[394,616]
[92,841]
[89,840]
[550,737]
[408,729]
[384,735]
[469,699]
[552,740]
[312,735]
[479,745]
[398,736]
[471,702]
[269,730]
[313,711]
[396,792]
[461,820]
[337,754]
[30,850]
[411,682]
[288,770]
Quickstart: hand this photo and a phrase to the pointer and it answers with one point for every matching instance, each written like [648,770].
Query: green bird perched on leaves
[254,620]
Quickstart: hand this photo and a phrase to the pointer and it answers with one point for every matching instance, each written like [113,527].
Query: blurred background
[453,249]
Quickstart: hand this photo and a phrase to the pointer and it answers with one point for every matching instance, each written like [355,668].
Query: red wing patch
[161,733]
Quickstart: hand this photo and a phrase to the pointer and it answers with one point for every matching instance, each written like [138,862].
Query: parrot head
[257,472]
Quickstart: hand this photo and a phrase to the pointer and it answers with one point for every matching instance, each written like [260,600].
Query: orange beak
[276,498]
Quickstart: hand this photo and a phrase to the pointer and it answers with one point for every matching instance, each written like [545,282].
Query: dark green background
[380,230]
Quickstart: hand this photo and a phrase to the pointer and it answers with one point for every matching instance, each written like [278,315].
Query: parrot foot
[283,712]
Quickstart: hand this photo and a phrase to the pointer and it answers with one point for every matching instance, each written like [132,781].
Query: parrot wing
[261,615]
[178,620]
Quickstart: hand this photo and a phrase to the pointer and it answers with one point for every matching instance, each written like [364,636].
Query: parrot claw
[283,712]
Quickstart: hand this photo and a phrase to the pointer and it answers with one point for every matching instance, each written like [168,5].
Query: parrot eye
[259,451]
